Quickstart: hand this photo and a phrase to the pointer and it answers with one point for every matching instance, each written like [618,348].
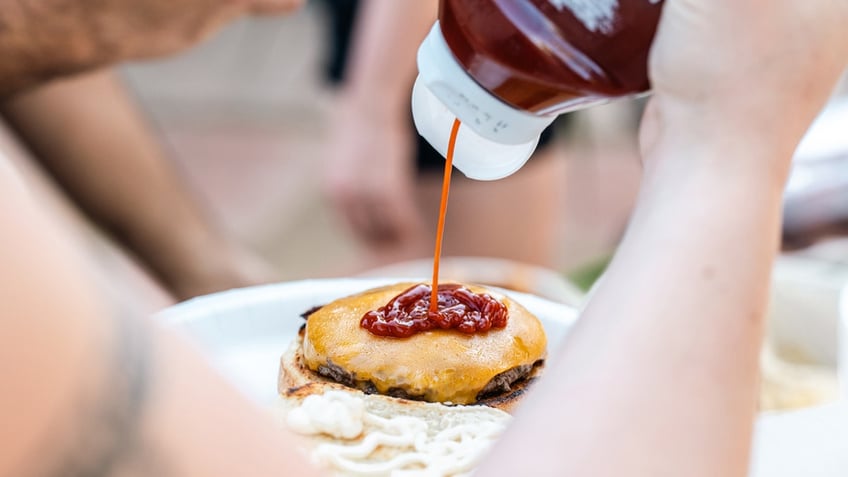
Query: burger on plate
[480,348]
[379,384]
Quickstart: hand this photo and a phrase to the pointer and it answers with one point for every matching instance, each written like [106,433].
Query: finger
[366,222]
[357,216]
[380,229]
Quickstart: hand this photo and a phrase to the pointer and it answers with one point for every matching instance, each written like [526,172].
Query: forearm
[659,375]
[120,397]
[89,135]
[92,389]
[385,43]
[202,426]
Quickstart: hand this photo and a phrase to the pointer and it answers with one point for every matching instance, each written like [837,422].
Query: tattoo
[105,438]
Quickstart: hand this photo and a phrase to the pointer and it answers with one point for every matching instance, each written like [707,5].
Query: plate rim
[198,307]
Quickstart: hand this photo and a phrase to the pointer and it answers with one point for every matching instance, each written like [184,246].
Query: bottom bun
[351,433]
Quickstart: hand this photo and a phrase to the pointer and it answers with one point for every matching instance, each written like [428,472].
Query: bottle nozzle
[475,156]
[495,140]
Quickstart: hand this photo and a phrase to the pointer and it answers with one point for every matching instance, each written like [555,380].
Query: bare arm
[90,136]
[41,40]
[92,390]
[659,376]
[371,170]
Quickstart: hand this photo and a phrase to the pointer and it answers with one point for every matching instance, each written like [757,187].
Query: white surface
[804,315]
[244,332]
[807,316]
[808,443]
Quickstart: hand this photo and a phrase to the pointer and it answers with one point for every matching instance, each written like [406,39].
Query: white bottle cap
[495,139]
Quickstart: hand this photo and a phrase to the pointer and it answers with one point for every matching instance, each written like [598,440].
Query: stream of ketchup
[443,208]
[461,309]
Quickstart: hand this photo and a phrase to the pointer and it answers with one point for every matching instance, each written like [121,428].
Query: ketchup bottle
[507,68]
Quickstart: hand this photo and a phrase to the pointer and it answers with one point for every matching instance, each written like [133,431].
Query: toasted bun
[437,366]
[296,381]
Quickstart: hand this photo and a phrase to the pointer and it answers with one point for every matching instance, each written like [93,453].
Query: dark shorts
[341,18]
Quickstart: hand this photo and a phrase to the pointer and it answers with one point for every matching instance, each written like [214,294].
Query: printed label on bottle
[596,15]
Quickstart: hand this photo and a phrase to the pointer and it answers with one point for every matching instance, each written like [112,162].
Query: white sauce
[335,413]
[416,450]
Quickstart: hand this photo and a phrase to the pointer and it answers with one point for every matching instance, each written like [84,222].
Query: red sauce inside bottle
[458,308]
[541,56]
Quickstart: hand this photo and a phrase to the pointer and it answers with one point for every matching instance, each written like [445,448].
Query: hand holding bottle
[680,313]
[745,71]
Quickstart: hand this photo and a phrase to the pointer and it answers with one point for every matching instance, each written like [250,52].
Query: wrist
[721,143]
[711,178]
[730,190]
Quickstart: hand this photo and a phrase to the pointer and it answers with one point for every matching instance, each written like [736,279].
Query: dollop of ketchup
[458,308]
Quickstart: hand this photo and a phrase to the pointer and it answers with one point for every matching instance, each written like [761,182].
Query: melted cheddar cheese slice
[437,365]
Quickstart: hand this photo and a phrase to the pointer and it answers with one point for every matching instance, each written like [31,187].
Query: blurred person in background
[385,180]
[98,392]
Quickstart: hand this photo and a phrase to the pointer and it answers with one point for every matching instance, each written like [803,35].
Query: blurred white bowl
[498,272]
[805,315]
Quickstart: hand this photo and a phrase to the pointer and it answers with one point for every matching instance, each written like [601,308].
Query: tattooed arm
[91,391]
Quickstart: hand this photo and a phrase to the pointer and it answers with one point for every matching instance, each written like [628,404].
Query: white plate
[244,332]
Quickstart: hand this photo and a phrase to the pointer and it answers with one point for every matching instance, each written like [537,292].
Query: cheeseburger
[477,347]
